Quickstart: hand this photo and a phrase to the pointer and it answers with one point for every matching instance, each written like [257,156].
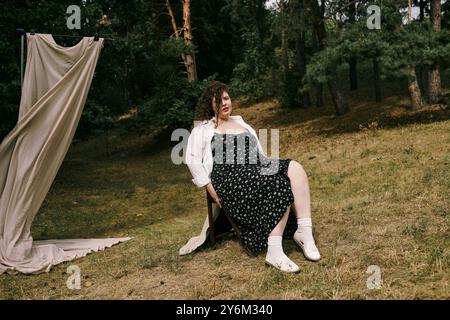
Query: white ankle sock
[304,230]
[275,247]
[304,237]
[276,256]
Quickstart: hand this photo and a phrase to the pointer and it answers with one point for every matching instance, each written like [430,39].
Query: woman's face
[225,106]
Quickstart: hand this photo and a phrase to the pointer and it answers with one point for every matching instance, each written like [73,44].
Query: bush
[252,77]
[172,105]
[9,109]
[95,117]
[289,91]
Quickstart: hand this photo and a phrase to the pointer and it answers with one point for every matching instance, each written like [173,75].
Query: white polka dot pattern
[255,201]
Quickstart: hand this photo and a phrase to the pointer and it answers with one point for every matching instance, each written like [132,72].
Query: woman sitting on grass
[225,156]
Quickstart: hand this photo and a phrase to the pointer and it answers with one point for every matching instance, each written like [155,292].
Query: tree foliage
[235,41]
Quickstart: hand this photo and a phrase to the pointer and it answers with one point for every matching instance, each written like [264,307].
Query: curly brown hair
[203,110]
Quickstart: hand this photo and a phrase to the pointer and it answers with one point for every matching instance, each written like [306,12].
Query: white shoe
[309,249]
[284,264]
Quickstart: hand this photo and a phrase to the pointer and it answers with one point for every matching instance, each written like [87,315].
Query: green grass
[379,197]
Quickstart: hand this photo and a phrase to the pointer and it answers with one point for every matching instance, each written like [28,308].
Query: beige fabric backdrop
[56,83]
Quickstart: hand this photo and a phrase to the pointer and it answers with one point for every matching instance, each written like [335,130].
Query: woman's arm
[194,158]
[194,161]
[213,194]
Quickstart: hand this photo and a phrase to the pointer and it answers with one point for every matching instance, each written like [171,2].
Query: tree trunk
[415,94]
[301,63]
[340,105]
[338,101]
[434,76]
[409,11]
[172,19]
[376,78]
[190,57]
[353,74]
[434,85]
[353,61]
[414,90]
[176,33]
[322,8]
[319,87]
[424,84]
[284,41]
[422,4]
[284,48]
[423,70]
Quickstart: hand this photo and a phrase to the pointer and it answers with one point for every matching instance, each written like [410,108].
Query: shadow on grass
[402,117]
[392,112]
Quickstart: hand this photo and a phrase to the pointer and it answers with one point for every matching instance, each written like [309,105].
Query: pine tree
[339,103]
[434,77]
[188,57]
[413,85]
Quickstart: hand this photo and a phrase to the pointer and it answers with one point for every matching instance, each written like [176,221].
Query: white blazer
[199,158]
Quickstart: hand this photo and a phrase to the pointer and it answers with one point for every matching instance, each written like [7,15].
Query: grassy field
[379,180]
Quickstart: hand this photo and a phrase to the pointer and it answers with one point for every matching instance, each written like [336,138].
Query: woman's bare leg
[275,255]
[302,207]
[300,189]
[279,228]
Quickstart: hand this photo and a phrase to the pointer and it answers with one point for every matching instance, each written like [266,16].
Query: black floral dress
[254,190]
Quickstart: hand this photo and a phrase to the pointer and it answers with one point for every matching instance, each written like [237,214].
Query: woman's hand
[213,194]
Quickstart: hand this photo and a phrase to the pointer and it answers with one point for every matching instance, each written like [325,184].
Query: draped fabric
[56,84]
